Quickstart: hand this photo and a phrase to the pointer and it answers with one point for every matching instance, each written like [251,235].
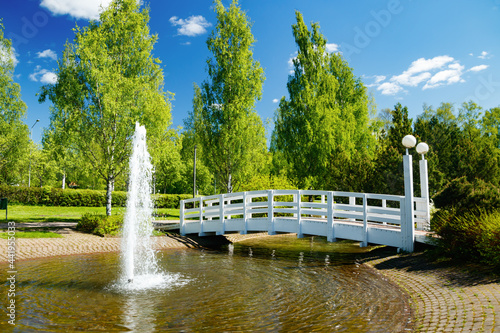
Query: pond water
[272,284]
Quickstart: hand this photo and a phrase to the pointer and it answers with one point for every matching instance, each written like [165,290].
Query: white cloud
[407,79]
[433,72]
[423,65]
[43,75]
[483,55]
[48,53]
[389,88]
[8,56]
[88,9]
[478,68]
[192,26]
[379,78]
[331,47]
[276,100]
[447,76]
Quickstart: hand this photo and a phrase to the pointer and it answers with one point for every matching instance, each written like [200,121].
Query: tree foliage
[323,130]
[14,135]
[108,79]
[226,126]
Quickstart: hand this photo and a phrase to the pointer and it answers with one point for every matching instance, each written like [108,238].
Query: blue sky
[406,51]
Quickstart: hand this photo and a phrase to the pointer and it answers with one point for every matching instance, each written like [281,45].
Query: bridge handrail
[227,209]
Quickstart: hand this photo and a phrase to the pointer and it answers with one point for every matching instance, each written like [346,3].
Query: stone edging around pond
[445,299]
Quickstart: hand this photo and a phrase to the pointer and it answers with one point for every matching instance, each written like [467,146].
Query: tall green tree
[108,79]
[323,130]
[14,135]
[388,165]
[226,125]
[490,124]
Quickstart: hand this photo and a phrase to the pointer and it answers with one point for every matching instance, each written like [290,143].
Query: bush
[471,235]
[110,225]
[100,225]
[89,222]
[463,196]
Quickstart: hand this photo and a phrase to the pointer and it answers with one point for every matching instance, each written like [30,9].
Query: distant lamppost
[29,169]
[194,173]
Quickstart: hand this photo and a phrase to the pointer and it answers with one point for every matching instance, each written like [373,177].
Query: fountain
[271,284]
[138,256]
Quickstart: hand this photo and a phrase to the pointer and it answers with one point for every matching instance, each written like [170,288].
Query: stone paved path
[445,299]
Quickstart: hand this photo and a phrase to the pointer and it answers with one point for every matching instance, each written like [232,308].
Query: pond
[269,284]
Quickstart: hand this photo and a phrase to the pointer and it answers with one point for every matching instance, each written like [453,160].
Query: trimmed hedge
[49,196]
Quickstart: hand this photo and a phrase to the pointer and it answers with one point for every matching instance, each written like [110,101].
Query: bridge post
[364,243]
[221,214]
[299,214]
[181,218]
[407,223]
[424,190]
[329,218]
[270,213]
[202,224]
[245,218]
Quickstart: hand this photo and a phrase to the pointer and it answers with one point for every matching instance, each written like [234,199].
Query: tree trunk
[229,185]
[64,181]
[109,189]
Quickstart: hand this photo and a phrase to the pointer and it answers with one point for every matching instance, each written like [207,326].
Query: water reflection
[286,285]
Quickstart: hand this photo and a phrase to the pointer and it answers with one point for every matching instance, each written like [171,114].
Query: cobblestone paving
[444,299]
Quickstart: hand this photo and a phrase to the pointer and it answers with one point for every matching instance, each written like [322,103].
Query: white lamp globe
[409,141]
[422,148]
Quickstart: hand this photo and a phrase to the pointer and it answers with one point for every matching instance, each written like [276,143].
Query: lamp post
[408,225]
[422,149]
[29,169]
[194,173]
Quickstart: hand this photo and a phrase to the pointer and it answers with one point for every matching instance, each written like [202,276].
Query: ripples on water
[276,284]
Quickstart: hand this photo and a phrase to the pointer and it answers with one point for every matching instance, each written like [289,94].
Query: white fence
[364,217]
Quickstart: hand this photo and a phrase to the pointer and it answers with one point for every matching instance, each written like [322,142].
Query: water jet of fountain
[138,256]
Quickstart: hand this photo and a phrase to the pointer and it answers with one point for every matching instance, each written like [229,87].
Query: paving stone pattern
[445,299]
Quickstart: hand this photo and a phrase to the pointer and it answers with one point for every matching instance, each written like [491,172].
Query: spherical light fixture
[409,141]
[422,148]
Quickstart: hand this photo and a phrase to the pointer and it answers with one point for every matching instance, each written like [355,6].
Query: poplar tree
[323,129]
[226,125]
[14,135]
[108,79]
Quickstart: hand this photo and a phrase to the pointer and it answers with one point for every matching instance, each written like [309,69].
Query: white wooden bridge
[391,220]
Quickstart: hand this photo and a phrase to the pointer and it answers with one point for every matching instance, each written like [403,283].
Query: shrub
[89,222]
[100,225]
[471,235]
[109,225]
[488,244]
[461,195]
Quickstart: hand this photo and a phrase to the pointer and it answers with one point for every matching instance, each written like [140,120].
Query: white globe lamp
[409,141]
[422,148]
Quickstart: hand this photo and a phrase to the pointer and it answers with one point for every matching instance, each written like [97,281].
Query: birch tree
[227,127]
[107,80]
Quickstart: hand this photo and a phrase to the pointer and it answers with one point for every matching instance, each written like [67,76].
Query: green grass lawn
[21,213]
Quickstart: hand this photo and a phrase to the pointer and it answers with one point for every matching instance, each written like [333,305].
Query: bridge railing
[326,213]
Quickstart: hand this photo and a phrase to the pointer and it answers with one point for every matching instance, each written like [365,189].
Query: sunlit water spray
[139,265]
